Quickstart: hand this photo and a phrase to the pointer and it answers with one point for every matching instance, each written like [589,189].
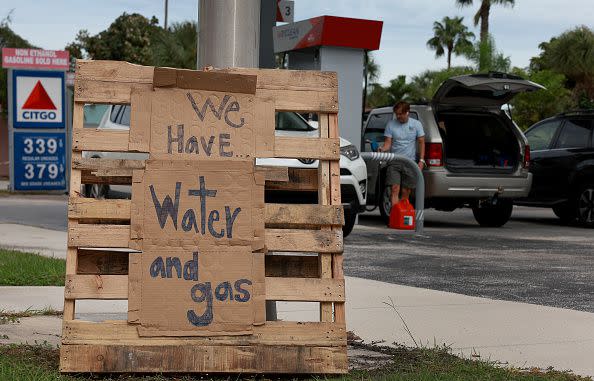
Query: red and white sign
[35,59]
[328,31]
[39,100]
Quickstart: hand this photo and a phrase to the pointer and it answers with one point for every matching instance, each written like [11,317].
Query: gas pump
[330,43]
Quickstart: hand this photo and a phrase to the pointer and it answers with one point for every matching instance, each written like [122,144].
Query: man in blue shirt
[402,136]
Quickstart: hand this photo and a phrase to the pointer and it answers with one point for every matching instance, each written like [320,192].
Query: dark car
[562,165]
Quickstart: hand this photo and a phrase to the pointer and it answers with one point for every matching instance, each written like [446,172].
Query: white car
[353,172]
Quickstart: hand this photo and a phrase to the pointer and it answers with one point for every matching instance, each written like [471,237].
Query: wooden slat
[274,173]
[100,140]
[93,91]
[207,358]
[292,266]
[101,262]
[92,235]
[325,260]
[289,289]
[288,215]
[300,179]
[291,80]
[291,240]
[113,71]
[96,287]
[305,290]
[296,90]
[314,241]
[94,164]
[88,208]
[307,148]
[75,192]
[272,333]
[89,178]
[335,199]
[292,90]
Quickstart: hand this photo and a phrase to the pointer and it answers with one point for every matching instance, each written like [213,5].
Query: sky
[52,24]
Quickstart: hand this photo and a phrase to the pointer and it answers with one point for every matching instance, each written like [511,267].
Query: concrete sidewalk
[49,243]
[517,334]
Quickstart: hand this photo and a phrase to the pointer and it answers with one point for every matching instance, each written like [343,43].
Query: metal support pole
[419,190]
[229,36]
[166,11]
[229,33]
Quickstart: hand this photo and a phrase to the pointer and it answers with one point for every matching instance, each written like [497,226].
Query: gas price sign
[39,161]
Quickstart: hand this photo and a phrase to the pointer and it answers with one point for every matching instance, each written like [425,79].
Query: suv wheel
[97,191]
[493,215]
[565,212]
[385,205]
[349,222]
[584,204]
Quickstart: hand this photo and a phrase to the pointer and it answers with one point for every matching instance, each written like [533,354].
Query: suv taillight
[527,156]
[434,154]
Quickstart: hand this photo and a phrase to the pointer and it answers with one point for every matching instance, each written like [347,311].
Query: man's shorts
[401,174]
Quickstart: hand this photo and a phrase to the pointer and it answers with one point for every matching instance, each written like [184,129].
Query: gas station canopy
[328,31]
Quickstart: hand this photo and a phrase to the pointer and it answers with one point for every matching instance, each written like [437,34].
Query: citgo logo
[39,100]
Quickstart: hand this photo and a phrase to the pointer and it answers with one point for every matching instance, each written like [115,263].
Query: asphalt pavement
[532,259]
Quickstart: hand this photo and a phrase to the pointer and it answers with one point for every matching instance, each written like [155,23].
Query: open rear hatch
[477,136]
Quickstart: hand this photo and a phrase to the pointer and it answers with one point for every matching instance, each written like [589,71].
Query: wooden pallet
[98,257]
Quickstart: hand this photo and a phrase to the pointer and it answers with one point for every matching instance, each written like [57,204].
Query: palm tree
[370,74]
[176,46]
[482,14]
[451,35]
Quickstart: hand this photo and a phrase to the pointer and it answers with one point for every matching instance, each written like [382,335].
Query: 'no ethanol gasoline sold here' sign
[15,58]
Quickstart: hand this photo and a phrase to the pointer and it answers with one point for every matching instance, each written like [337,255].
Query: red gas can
[402,216]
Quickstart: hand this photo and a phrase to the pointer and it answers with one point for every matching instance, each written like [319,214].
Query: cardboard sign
[198,119]
[197,209]
[178,203]
[200,290]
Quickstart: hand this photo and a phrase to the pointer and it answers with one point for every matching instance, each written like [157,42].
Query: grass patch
[27,269]
[13,317]
[40,362]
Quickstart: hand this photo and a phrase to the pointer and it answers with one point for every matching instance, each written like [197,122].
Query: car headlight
[350,151]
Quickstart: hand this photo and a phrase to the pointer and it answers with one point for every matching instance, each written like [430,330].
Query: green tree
[8,39]
[423,86]
[129,38]
[177,46]
[450,36]
[486,57]
[378,96]
[397,90]
[529,108]
[370,74]
[571,54]
[482,16]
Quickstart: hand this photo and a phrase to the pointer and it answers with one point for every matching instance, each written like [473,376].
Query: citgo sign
[38,99]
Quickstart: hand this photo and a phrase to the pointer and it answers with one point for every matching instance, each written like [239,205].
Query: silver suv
[476,155]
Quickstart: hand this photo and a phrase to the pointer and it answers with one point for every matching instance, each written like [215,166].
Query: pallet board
[303,242]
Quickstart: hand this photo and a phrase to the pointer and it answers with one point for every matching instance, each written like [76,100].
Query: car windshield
[290,121]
